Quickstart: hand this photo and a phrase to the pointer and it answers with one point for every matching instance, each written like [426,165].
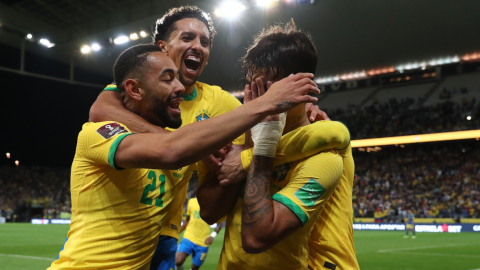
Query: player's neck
[189,89]
[296,118]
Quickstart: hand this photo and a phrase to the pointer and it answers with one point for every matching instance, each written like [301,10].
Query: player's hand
[215,160]
[290,92]
[257,90]
[247,97]
[315,114]
[209,240]
[231,170]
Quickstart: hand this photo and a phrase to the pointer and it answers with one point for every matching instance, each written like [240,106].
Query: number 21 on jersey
[151,188]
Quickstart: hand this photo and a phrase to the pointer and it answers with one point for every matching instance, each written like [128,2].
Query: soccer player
[123,184]
[410,225]
[196,239]
[186,34]
[280,208]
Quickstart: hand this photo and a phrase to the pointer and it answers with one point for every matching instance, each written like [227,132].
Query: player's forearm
[258,212]
[216,201]
[218,228]
[184,225]
[109,107]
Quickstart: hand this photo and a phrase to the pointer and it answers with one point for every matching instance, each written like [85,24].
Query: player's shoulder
[213,91]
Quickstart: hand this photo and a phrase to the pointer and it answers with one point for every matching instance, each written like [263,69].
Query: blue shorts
[164,256]
[199,253]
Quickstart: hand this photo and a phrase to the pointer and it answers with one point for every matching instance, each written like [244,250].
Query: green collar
[192,96]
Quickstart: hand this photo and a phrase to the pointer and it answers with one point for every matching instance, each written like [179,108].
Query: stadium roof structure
[349,35]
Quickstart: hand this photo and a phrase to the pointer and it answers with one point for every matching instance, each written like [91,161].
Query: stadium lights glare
[230,9]
[85,49]
[96,47]
[8,155]
[143,33]
[120,40]
[264,3]
[469,118]
[133,36]
[29,36]
[445,136]
[17,162]
[45,42]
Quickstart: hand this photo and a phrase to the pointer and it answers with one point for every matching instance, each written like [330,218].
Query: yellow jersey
[117,214]
[197,230]
[295,145]
[331,241]
[205,102]
[304,187]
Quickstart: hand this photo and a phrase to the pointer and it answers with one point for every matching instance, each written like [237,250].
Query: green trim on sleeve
[292,206]
[112,87]
[113,150]
[192,96]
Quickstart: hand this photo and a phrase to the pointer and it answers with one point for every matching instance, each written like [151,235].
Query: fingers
[307,98]
[300,76]
[269,84]
[260,87]
[308,88]
[247,94]
[305,81]
[254,90]
[215,160]
[313,111]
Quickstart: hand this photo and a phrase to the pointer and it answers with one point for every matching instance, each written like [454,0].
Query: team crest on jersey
[281,172]
[202,115]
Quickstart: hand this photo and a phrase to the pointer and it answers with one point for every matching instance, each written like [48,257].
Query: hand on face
[287,93]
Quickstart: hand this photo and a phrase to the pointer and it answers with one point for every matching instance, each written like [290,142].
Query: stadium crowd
[34,192]
[403,117]
[434,180]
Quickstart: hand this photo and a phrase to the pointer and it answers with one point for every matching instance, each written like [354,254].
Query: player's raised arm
[109,106]
[149,80]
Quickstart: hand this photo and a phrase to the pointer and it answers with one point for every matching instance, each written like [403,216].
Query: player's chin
[175,121]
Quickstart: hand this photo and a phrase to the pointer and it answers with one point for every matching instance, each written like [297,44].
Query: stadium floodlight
[469,118]
[85,49]
[230,9]
[29,36]
[8,155]
[133,36]
[96,47]
[45,42]
[17,162]
[264,3]
[120,40]
[143,34]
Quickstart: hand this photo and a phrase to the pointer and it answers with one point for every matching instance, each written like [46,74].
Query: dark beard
[160,109]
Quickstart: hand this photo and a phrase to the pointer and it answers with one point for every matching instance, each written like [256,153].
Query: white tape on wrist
[266,135]
[213,234]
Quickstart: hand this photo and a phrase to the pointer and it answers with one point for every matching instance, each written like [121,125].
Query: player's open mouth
[192,63]
[174,105]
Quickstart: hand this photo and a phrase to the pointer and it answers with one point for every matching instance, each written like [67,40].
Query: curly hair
[166,25]
[280,51]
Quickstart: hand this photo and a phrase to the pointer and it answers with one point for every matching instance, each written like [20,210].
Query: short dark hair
[131,63]
[166,25]
[280,51]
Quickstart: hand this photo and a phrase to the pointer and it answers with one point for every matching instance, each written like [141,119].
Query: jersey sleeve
[311,184]
[99,142]
[112,87]
[306,141]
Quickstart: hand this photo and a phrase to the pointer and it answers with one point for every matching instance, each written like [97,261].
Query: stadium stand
[435,180]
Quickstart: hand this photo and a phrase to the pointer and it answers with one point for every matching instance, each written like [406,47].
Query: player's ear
[163,45]
[133,89]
